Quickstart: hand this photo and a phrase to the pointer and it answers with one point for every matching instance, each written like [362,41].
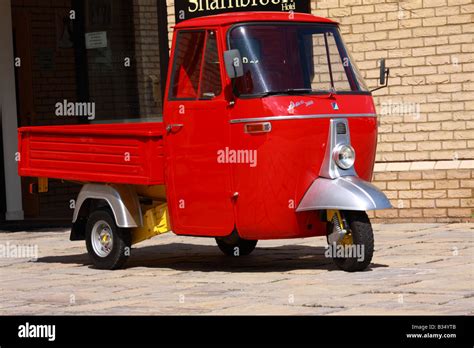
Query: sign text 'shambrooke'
[186,9]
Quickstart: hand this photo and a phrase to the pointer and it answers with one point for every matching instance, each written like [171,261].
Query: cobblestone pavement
[417,269]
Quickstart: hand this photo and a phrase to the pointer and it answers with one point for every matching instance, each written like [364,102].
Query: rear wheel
[108,245]
[356,246]
[235,246]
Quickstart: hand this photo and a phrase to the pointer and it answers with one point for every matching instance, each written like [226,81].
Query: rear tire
[235,246]
[362,237]
[108,245]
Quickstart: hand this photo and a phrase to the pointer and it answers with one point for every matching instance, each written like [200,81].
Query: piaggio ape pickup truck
[264,114]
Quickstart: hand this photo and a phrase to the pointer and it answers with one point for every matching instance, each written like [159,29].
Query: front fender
[343,193]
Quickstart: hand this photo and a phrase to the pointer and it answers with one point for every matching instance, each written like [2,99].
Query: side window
[339,73]
[187,64]
[211,84]
[319,65]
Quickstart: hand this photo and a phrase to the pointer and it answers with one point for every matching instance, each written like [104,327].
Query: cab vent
[341,128]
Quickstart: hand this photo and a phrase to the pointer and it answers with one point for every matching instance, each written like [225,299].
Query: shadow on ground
[206,258]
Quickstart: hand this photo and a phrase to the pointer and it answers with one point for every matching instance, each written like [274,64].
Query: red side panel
[289,159]
[112,153]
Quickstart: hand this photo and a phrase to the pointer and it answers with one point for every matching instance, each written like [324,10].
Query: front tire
[108,245]
[361,236]
[235,246]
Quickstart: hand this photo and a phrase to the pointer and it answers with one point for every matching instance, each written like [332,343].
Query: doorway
[121,72]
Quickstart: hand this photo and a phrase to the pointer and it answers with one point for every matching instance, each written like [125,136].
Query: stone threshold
[423,165]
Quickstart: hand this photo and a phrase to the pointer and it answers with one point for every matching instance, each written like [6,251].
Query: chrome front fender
[343,193]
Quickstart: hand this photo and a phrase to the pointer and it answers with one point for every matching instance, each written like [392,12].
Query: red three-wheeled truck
[268,132]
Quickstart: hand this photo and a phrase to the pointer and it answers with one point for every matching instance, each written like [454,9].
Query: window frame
[340,47]
[201,70]
[204,62]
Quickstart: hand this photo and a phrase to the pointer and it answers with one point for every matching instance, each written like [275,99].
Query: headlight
[344,155]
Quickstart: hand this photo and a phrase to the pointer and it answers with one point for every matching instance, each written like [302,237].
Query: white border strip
[428,165]
[299,117]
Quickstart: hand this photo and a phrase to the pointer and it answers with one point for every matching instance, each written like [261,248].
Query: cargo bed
[129,153]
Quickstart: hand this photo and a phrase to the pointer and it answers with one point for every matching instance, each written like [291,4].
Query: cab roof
[240,17]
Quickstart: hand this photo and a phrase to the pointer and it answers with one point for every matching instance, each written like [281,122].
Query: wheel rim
[102,238]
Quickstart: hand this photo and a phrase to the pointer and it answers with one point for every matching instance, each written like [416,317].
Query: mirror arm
[387,73]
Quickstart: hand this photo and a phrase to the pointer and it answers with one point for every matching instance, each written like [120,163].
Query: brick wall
[441,195]
[425,157]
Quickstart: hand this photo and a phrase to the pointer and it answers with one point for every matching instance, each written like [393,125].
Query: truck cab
[296,76]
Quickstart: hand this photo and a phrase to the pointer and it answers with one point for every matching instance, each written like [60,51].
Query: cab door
[197,123]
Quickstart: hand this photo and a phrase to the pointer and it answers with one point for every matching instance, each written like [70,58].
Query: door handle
[171,127]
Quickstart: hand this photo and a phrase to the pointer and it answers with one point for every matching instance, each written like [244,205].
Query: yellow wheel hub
[347,240]
[335,216]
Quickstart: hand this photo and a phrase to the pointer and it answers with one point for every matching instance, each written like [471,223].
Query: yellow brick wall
[431,195]
[429,48]
[425,157]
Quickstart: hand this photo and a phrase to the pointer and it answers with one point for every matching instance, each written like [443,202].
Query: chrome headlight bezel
[344,155]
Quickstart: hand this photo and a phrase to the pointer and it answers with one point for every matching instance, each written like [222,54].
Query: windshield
[285,58]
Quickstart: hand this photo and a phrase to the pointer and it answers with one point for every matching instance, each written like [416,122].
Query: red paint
[290,158]
[207,198]
[97,153]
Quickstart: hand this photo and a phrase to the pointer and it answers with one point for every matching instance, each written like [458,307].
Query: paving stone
[417,269]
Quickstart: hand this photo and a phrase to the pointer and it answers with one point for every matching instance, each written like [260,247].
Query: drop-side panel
[112,153]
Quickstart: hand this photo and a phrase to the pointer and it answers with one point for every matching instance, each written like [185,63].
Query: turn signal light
[258,127]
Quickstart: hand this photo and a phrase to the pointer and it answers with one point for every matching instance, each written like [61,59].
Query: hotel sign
[187,9]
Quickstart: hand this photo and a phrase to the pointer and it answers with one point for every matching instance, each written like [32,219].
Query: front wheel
[108,245]
[354,251]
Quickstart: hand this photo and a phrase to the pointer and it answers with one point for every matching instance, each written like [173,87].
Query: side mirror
[233,63]
[384,75]
[382,72]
